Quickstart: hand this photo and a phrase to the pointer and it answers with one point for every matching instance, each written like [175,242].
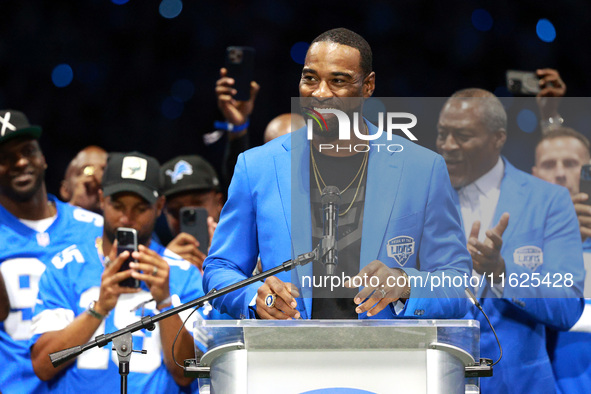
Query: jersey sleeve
[54,309]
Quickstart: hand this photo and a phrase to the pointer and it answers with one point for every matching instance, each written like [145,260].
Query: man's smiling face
[332,72]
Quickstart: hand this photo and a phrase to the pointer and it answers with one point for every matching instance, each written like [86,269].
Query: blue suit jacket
[541,216]
[268,214]
[570,353]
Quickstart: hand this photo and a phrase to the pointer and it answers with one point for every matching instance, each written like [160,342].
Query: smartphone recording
[127,241]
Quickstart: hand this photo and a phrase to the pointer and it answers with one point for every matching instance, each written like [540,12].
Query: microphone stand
[122,339]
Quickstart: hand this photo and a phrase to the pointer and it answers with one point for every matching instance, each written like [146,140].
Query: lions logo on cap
[181,168]
[401,248]
[529,257]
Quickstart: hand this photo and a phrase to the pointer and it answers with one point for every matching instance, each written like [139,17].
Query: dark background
[127,57]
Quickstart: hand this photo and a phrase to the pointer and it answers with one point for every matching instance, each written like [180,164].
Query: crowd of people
[461,212]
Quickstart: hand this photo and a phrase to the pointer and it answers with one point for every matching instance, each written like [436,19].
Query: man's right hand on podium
[284,304]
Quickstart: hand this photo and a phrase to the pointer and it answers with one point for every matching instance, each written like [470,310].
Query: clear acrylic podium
[342,356]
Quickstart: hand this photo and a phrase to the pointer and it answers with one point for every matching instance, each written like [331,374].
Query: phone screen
[127,241]
[523,83]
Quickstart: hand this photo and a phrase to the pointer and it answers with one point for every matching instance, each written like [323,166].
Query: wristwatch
[406,293]
[92,312]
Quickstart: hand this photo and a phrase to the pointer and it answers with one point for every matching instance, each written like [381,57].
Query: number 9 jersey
[24,253]
[68,286]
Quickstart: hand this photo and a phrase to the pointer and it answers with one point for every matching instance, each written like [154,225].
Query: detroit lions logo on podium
[181,168]
[401,248]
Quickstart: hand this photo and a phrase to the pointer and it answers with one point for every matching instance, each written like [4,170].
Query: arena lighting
[482,20]
[62,75]
[298,52]
[119,2]
[527,120]
[545,30]
[170,9]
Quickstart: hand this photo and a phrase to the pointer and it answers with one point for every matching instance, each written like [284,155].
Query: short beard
[330,132]
[26,195]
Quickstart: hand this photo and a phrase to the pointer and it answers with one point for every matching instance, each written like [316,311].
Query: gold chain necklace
[361,172]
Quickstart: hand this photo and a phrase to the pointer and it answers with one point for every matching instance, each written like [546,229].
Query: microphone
[330,198]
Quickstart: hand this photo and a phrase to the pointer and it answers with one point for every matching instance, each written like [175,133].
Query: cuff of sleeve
[398,307]
[251,294]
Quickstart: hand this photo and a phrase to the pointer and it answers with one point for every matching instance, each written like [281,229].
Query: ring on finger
[270,300]
[382,292]
[154,271]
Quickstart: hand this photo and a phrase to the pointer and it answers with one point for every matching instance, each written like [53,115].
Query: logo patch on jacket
[529,257]
[401,248]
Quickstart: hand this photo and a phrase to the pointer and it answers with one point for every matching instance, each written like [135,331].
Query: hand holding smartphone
[523,83]
[127,241]
[240,65]
[194,221]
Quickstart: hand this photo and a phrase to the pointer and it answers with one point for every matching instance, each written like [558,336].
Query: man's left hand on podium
[381,284]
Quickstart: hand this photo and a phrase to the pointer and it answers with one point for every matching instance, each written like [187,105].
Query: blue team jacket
[408,199]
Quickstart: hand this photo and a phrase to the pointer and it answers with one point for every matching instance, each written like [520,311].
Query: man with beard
[389,226]
[560,154]
[81,294]
[190,181]
[82,180]
[517,227]
[34,226]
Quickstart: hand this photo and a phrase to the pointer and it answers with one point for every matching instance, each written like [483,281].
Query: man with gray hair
[519,228]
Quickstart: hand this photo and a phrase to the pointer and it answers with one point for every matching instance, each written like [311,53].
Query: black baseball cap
[186,173]
[15,124]
[132,172]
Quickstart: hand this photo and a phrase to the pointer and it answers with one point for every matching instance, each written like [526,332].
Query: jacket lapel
[294,190]
[512,199]
[383,178]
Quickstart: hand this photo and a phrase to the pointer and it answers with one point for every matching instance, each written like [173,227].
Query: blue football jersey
[24,254]
[68,286]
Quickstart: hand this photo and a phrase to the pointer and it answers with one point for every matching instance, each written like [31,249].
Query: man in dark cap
[190,181]
[34,226]
[82,295]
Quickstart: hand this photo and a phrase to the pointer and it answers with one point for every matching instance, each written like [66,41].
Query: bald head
[283,124]
[83,178]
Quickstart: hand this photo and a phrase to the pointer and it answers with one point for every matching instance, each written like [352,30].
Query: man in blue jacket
[523,238]
[397,217]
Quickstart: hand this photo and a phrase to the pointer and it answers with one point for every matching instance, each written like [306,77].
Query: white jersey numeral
[21,276]
[88,217]
[98,358]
